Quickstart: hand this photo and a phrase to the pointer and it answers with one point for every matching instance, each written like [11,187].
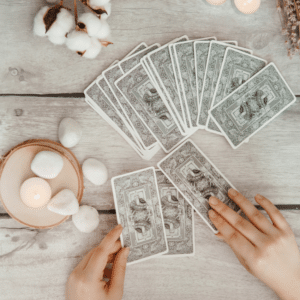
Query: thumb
[118,274]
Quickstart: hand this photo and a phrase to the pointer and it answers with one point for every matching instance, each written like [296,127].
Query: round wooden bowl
[15,169]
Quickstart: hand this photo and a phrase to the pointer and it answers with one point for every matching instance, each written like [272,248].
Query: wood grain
[32,65]
[35,264]
[268,164]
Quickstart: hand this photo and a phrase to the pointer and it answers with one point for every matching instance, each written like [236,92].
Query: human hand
[86,280]
[268,250]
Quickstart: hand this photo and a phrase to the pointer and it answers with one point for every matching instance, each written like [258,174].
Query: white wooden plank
[30,64]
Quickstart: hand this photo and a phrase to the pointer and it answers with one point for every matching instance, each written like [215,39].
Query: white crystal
[69,132]
[64,203]
[47,164]
[86,219]
[95,171]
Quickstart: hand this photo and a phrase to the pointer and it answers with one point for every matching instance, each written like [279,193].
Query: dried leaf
[105,43]
[80,53]
[81,27]
[98,11]
[51,15]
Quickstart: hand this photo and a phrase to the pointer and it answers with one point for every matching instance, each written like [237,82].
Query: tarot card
[213,66]
[196,178]
[233,43]
[201,49]
[236,69]
[178,216]
[143,133]
[138,209]
[130,62]
[184,56]
[139,91]
[252,105]
[137,49]
[161,62]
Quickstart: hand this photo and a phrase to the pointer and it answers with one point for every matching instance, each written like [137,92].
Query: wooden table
[41,83]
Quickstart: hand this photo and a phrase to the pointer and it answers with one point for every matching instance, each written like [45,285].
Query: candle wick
[37,197]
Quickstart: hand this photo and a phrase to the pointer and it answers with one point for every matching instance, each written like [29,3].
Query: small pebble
[69,132]
[47,164]
[95,171]
[64,203]
[86,219]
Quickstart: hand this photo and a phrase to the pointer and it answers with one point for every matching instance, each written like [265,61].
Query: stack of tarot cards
[158,96]
[156,207]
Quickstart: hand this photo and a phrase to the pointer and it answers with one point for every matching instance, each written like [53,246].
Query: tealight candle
[35,192]
[247,6]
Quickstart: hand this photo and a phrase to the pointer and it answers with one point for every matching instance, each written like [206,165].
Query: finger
[111,237]
[254,215]
[275,215]
[238,222]
[238,243]
[118,274]
[85,260]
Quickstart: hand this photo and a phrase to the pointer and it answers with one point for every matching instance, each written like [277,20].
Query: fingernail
[259,197]
[213,200]
[232,192]
[212,214]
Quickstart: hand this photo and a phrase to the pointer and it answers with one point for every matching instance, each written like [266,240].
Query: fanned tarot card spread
[178,216]
[138,89]
[201,49]
[184,55]
[130,62]
[252,105]
[137,49]
[214,62]
[236,69]
[139,211]
[197,179]
[147,139]
[161,62]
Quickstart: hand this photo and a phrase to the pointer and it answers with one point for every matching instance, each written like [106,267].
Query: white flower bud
[57,40]
[78,41]
[63,24]
[104,30]
[39,25]
[92,23]
[107,7]
[96,3]
[93,50]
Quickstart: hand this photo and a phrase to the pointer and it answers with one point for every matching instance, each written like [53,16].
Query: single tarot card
[197,179]
[236,69]
[137,49]
[184,55]
[162,93]
[233,43]
[179,87]
[179,39]
[130,62]
[100,99]
[214,62]
[111,75]
[178,217]
[138,209]
[162,64]
[253,105]
[138,89]
[201,50]
[114,63]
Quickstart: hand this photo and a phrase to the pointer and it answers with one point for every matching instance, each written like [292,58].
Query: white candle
[35,192]
[247,6]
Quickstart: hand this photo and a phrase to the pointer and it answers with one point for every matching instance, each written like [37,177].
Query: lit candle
[35,192]
[247,6]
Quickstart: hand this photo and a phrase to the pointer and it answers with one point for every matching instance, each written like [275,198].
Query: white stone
[64,203]
[95,171]
[86,219]
[69,132]
[47,164]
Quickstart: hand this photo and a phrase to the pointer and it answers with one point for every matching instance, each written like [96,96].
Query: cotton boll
[57,40]
[104,30]
[78,41]
[39,25]
[63,24]
[86,219]
[93,50]
[106,7]
[96,3]
[92,23]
